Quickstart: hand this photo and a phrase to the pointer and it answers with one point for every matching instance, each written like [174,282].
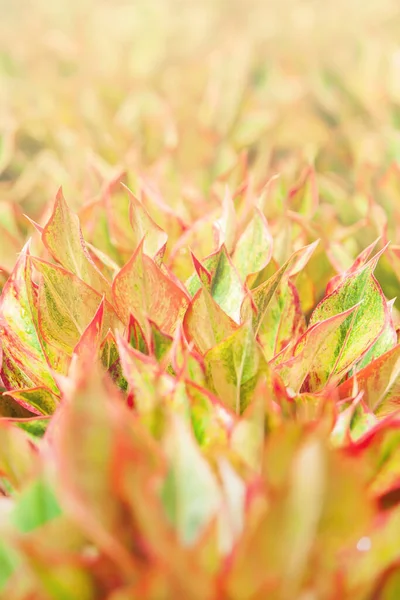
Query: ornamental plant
[177,426]
[200,357]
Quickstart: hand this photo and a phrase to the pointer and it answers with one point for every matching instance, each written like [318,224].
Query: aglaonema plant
[178,423]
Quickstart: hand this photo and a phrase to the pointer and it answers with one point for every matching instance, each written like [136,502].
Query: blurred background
[179,89]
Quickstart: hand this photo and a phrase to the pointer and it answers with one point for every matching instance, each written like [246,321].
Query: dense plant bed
[207,440]
[200,357]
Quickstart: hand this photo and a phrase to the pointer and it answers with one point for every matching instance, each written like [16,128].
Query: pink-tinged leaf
[314,354]
[84,443]
[40,401]
[117,221]
[11,409]
[385,342]
[141,289]
[106,265]
[136,336]
[380,383]
[203,274]
[212,421]
[233,368]
[189,477]
[142,373]
[304,198]
[356,335]
[108,350]
[283,323]
[360,261]
[90,341]
[110,360]
[220,277]
[155,239]
[226,226]
[185,362]
[205,323]
[263,294]
[24,361]
[63,238]
[66,306]
[253,250]
[160,343]
[18,456]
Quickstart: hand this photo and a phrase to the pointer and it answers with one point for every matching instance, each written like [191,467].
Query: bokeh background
[134,84]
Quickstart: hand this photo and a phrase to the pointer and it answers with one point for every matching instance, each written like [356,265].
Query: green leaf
[233,368]
[359,291]
[144,228]
[142,289]
[190,493]
[66,306]
[380,383]
[63,238]
[35,506]
[253,250]
[308,370]
[284,321]
[40,400]
[24,360]
[9,561]
[205,323]
[263,294]
[221,279]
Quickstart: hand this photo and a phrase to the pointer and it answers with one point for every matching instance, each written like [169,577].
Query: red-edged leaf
[380,383]
[155,239]
[66,306]
[205,323]
[142,289]
[63,238]
[24,360]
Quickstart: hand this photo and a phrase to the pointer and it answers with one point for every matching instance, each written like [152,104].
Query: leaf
[212,422]
[136,336]
[90,341]
[84,465]
[355,336]
[284,321]
[35,506]
[304,198]
[63,238]
[24,362]
[309,370]
[39,400]
[143,290]
[144,228]
[36,427]
[66,306]
[233,368]
[360,261]
[108,350]
[18,457]
[160,342]
[9,562]
[190,493]
[142,374]
[385,342]
[205,323]
[253,250]
[380,383]
[219,276]
[263,294]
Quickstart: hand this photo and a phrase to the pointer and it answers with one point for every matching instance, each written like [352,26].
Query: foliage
[199,359]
